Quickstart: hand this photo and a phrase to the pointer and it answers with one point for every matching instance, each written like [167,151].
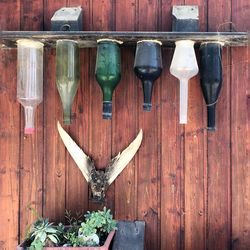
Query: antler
[119,162]
[81,159]
[98,179]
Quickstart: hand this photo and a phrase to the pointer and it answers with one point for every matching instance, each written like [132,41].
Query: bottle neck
[147,93]
[183,100]
[29,112]
[67,114]
[211,117]
[107,110]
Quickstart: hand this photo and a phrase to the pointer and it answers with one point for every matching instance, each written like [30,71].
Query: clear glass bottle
[184,66]
[29,79]
[67,74]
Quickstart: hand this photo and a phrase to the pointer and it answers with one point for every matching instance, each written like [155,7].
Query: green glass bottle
[108,71]
[67,74]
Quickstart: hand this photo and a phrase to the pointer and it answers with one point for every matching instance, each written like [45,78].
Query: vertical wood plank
[125,110]
[10,19]
[9,133]
[9,152]
[171,138]
[218,223]
[54,150]
[76,185]
[171,168]
[32,15]
[240,150]
[31,181]
[149,154]
[100,129]
[195,150]
[240,135]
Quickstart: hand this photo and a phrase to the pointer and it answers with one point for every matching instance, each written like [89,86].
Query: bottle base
[211,128]
[29,131]
[147,106]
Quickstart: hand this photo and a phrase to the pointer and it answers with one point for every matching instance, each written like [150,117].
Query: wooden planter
[106,245]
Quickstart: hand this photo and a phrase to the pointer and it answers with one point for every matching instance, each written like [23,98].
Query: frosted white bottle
[184,66]
[29,79]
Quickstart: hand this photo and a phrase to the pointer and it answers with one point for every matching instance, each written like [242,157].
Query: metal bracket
[67,19]
[185,18]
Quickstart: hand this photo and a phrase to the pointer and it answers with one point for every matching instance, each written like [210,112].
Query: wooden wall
[191,187]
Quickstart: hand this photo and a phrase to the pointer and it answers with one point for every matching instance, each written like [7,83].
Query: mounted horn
[99,179]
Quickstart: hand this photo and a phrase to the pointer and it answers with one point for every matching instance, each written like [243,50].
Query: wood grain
[240,137]
[195,161]
[9,133]
[148,191]
[218,152]
[31,174]
[76,185]
[191,187]
[54,150]
[9,152]
[172,196]
[125,109]
[240,134]
[100,141]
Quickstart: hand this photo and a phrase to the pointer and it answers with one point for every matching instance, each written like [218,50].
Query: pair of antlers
[99,180]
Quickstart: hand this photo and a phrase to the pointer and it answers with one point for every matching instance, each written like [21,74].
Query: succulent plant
[43,233]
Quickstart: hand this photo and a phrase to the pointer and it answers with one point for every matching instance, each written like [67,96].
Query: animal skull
[99,180]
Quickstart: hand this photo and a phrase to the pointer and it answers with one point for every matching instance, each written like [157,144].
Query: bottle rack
[88,39]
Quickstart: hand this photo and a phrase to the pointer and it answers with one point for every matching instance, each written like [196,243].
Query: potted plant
[95,232]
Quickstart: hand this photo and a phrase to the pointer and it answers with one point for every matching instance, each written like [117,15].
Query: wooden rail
[89,38]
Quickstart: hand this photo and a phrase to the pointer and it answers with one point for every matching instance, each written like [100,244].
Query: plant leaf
[51,230]
[43,236]
[53,238]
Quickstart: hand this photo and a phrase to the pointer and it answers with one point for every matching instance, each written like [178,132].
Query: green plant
[42,233]
[73,220]
[98,224]
[92,232]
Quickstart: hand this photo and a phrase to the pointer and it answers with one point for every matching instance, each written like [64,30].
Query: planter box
[106,245]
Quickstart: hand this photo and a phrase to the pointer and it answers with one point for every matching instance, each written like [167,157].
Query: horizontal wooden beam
[87,39]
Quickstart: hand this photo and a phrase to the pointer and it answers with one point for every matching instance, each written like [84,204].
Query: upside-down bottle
[184,66]
[67,75]
[211,78]
[148,67]
[108,71]
[29,79]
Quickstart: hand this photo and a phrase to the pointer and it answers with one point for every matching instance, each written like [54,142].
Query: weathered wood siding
[191,187]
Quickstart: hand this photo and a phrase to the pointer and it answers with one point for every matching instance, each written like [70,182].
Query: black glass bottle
[148,67]
[211,78]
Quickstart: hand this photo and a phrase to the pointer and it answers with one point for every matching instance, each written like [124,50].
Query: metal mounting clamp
[185,18]
[67,19]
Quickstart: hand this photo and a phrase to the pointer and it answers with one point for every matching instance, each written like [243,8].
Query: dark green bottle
[67,74]
[211,78]
[108,72]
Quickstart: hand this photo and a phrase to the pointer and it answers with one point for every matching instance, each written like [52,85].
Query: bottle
[108,71]
[29,79]
[67,75]
[148,67]
[184,66]
[211,78]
